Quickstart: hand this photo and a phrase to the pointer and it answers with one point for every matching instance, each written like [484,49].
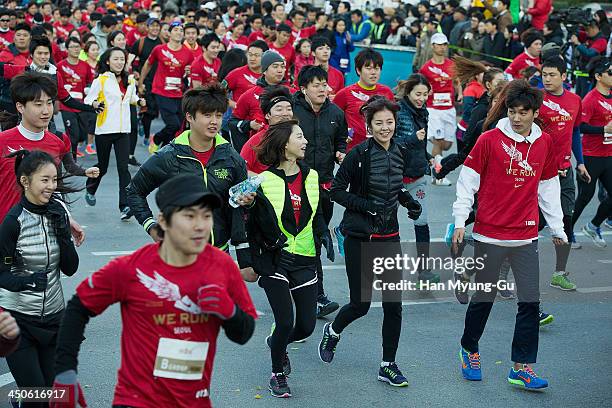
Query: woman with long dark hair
[286,222]
[36,246]
[113,125]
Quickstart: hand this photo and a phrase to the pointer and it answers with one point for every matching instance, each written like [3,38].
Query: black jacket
[224,170]
[496,47]
[265,236]
[326,132]
[373,177]
[409,121]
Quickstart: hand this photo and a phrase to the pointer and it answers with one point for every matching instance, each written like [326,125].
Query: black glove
[328,243]
[37,282]
[415,211]
[406,200]
[100,108]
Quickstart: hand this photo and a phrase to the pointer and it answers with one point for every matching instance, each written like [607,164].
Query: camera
[573,18]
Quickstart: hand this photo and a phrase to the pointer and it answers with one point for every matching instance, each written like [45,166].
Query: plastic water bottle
[250,185]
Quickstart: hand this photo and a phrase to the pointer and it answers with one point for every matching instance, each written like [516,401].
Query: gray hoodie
[100,36]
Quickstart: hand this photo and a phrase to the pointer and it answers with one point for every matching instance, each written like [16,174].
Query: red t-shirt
[161,321]
[72,80]
[62,31]
[132,36]
[203,157]
[6,39]
[440,76]
[288,52]
[204,72]
[249,155]
[350,100]
[510,173]
[596,111]
[560,115]
[168,79]
[196,51]
[256,35]
[335,82]
[295,189]
[521,62]
[12,140]
[241,80]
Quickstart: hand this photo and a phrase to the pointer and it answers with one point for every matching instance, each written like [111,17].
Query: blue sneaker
[470,365]
[526,378]
[392,375]
[594,233]
[448,237]
[340,239]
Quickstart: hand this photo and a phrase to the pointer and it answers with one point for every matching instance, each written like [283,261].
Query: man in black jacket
[326,130]
[203,152]
[494,43]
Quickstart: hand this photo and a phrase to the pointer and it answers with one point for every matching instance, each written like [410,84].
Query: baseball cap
[183,191]
[152,20]
[439,38]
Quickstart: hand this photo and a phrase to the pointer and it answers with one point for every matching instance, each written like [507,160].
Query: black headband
[274,101]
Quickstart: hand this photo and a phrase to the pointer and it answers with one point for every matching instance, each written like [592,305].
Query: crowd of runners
[519,94]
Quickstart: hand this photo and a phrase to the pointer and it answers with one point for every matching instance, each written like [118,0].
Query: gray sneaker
[90,199]
[594,233]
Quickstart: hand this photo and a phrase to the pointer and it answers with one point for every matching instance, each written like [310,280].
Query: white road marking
[595,290]
[605,261]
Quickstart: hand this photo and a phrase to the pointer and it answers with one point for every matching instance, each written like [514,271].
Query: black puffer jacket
[326,132]
[373,177]
[409,121]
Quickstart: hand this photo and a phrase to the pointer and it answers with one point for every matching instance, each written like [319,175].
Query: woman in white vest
[285,223]
[117,91]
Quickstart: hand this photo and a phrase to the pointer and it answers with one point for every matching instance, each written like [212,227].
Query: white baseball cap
[439,38]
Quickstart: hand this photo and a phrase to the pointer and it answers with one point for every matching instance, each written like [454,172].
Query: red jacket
[539,13]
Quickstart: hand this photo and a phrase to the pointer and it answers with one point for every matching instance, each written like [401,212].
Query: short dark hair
[208,39]
[271,150]
[309,73]
[70,40]
[65,12]
[555,62]
[191,25]
[40,41]
[23,27]
[283,27]
[108,21]
[376,104]
[261,44]
[378,12]
[211,97]
[357,13]
[520,93]
[492,21]
[320,41]
[255,17]
[368,55]
[30,86]
[142,18]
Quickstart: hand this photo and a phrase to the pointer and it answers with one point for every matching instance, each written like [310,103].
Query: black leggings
[134,129]
[104,144]
[289,327]
[32,363]
[356,308]
[600,168]
[328,211]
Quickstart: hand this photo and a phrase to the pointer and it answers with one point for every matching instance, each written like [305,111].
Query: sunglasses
[4,20]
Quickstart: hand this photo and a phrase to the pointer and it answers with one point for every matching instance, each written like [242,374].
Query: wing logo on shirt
[250,78]
[555,107]
[4,41]
[211,71]
[361,96]
[171,57]
[438,71]
[12,150]
[517,156]
[166,290]
[71,72]
[530,63]
[606,105]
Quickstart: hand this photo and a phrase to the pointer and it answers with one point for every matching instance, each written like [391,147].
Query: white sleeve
[94,90]
[468,184]
[549,200]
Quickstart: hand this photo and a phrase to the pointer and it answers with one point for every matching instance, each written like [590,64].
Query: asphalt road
[574,353]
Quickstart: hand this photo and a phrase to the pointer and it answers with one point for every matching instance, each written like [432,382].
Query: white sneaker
[441,182]
[576,245]
[608,224]
[595,234]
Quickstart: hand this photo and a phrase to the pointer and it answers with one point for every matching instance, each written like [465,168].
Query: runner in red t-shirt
[283,46]
[192,33]
[6,34]
[368,64]
[514,170]
[139,31]
[321,49]
[597,149]
[63,26]
[174,297]
[277,106]
[173,63]
[205,68]
[530,57]
[241,79]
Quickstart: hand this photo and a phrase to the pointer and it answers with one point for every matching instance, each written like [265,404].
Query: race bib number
[180,359]
[76,95]
[442,99]
[173,84]
[607,138]
[344,62]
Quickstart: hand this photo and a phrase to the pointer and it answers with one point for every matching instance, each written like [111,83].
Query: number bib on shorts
[442,99]
[180,359]
[173,84]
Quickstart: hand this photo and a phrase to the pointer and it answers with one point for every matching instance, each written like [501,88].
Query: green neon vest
[274,188]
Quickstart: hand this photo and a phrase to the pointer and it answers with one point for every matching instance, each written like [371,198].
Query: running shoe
[545,318]
[90,149]
[470,365]
[594,233]
[561,281]
[325,306]
[90,199]
[145,141]
[392,375]
[79,154]
[427,276]
[126,214]
[505,294]
[133,162]
[526,378]
[286,361]
[575,244]
[441,182]
[448,237]
[327,345]
[462,294]
[153,148]
[278,386]
[608,224]
[340,239]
